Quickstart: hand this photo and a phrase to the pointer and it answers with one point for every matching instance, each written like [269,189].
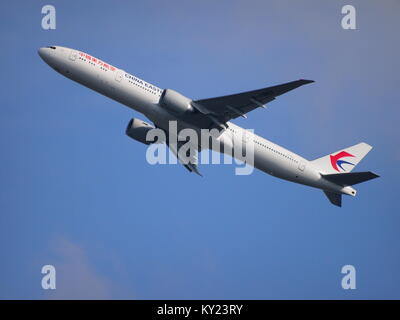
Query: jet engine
[175,102]
[137,129]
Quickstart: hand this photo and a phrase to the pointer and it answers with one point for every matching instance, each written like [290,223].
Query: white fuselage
[144,98]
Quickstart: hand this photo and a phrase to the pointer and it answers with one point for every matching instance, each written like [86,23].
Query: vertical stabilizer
[342,161]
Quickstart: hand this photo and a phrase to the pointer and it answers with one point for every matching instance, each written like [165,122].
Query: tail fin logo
[336,162]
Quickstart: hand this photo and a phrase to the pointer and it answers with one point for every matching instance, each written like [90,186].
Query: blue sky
[75,192]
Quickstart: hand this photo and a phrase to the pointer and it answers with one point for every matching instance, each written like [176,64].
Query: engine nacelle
[137,129]
[175,102]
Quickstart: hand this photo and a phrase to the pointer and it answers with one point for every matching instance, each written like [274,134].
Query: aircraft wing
[188,161]
[232,106]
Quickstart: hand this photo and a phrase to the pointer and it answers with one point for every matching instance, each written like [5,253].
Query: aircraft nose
[42,53]
[47,53]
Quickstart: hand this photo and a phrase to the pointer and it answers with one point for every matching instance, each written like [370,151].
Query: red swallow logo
[335,160]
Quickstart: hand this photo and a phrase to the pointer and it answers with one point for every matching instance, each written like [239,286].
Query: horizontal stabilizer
[351,178]
[334,198]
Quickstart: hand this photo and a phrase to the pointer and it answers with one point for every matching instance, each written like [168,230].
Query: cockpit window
[54,48]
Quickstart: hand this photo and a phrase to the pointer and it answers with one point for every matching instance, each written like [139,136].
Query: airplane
[331,173]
